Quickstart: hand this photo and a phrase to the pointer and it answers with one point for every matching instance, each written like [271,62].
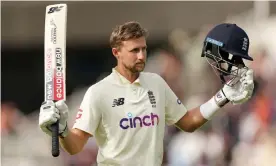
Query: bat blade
[55,60]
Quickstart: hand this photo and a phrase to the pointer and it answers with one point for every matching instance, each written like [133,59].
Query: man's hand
[237,90]
[50,112]
[240,89]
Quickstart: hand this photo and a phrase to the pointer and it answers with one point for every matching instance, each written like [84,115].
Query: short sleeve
[174,109]
[88,116]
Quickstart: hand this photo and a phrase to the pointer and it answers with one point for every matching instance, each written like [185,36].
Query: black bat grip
[55,139]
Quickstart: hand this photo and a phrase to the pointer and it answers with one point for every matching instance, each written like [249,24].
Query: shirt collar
[123,80]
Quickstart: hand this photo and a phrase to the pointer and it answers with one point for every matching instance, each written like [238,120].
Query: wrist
[220,98]
[209,108]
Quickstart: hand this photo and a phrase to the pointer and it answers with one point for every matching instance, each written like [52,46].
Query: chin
[140,69]
[137,70]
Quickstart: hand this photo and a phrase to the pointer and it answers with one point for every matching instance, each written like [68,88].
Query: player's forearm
[198,116]
[192,120]
[72,143]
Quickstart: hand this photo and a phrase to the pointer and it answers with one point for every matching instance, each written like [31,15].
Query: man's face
[132,54]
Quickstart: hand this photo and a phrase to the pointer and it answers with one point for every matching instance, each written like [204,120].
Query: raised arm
[236,94]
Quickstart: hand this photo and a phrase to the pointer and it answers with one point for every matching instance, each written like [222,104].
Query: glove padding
[240,89]
[50,112]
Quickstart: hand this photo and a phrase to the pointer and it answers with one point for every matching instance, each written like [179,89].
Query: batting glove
[238,90]
[50,112]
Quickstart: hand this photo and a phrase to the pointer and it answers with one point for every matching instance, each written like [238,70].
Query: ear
[115,52]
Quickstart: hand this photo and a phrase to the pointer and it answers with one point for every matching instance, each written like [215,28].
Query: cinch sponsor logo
[142,121]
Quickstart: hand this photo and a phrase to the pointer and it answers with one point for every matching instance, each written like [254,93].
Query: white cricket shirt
[128,119]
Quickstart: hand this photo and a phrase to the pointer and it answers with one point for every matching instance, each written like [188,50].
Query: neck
[127,73]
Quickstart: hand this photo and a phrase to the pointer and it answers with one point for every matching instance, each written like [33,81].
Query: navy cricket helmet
[225,47]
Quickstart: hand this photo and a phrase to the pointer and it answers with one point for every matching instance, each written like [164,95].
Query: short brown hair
[126,31]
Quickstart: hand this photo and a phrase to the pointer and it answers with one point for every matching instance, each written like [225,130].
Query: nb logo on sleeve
[118,102]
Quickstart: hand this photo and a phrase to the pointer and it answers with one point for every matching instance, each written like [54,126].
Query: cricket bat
[55,61]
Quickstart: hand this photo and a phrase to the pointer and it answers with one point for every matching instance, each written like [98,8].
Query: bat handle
[55,140]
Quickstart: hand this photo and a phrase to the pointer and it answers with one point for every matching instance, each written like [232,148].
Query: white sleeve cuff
[209,108]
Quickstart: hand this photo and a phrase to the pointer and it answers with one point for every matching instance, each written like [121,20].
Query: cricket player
[127,111]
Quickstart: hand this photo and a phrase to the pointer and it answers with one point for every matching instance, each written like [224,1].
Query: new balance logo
[118,102]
